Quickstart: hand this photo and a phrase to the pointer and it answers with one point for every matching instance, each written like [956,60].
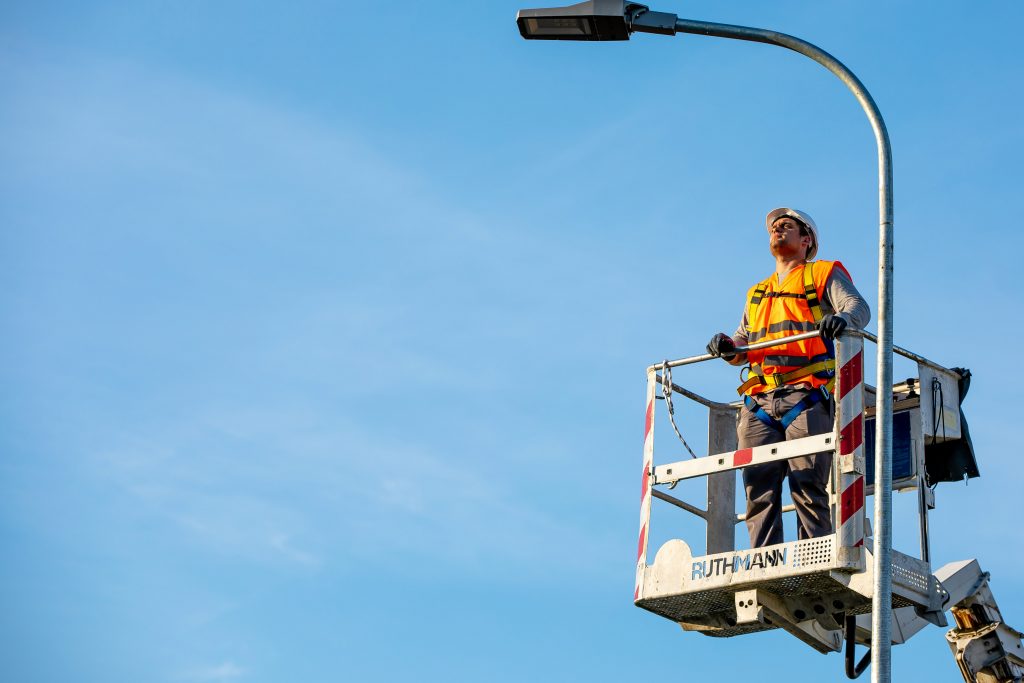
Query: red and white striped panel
[645,490]
[850,428]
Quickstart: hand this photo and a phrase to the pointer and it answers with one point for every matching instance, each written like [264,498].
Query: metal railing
[899,351]
[669,474]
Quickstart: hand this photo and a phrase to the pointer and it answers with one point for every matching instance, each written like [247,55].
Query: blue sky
[325,324]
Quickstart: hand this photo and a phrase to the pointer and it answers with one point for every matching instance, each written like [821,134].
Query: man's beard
[785,249]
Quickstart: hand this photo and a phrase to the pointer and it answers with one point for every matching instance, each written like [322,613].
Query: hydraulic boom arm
[986,649]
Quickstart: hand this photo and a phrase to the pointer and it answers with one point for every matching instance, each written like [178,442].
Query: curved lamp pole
[615,20]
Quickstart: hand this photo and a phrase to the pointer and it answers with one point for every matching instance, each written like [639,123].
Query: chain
[666,391]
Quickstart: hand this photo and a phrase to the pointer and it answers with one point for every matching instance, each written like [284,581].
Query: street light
[593,20]
[616,20]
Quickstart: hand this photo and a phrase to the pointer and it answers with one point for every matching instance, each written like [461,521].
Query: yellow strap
[811,369]
[752,381]
[777,380]
[755,301]
[811,292]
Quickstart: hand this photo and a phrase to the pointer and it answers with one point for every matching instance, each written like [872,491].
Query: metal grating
[810,585]
[713,613]
[683,607]
[702,604]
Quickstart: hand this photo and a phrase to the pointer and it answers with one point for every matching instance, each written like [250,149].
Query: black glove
[723,346]
[831,326]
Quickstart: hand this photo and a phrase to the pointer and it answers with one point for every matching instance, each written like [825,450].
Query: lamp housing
[591,20]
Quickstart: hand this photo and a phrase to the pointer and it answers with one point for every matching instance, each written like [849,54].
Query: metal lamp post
[616,20]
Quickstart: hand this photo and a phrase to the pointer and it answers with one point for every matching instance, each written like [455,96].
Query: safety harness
[819,395]
[822,366]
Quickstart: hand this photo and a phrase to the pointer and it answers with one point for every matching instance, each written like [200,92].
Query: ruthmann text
[705,569]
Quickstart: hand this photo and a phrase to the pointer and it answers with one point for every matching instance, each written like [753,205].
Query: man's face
[788,238]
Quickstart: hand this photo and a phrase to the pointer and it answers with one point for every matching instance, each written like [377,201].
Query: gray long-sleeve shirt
[840,298]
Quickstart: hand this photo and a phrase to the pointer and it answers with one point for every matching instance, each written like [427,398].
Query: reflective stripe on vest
[783,309]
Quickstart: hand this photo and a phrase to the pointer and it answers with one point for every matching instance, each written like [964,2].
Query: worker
[787,392]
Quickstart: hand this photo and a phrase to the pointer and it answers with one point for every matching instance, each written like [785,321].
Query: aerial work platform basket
[812,588]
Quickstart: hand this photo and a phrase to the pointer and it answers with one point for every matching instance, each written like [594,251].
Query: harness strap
[755,301]
[778,379]
[811,292]
[782,424]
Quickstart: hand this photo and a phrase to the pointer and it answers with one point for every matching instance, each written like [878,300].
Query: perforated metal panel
[815,552]
[909,578]
[913,579]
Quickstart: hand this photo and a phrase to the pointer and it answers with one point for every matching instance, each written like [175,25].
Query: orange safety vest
[784,309]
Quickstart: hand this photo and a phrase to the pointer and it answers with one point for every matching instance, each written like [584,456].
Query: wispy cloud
[259,432]
[318,495]
[225,671]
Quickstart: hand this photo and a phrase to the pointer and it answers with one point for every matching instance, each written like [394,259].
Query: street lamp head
[593,20]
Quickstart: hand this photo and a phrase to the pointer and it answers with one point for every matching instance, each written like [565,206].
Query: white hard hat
[800,216]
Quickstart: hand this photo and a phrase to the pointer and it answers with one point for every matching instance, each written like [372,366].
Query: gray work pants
[808,475]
